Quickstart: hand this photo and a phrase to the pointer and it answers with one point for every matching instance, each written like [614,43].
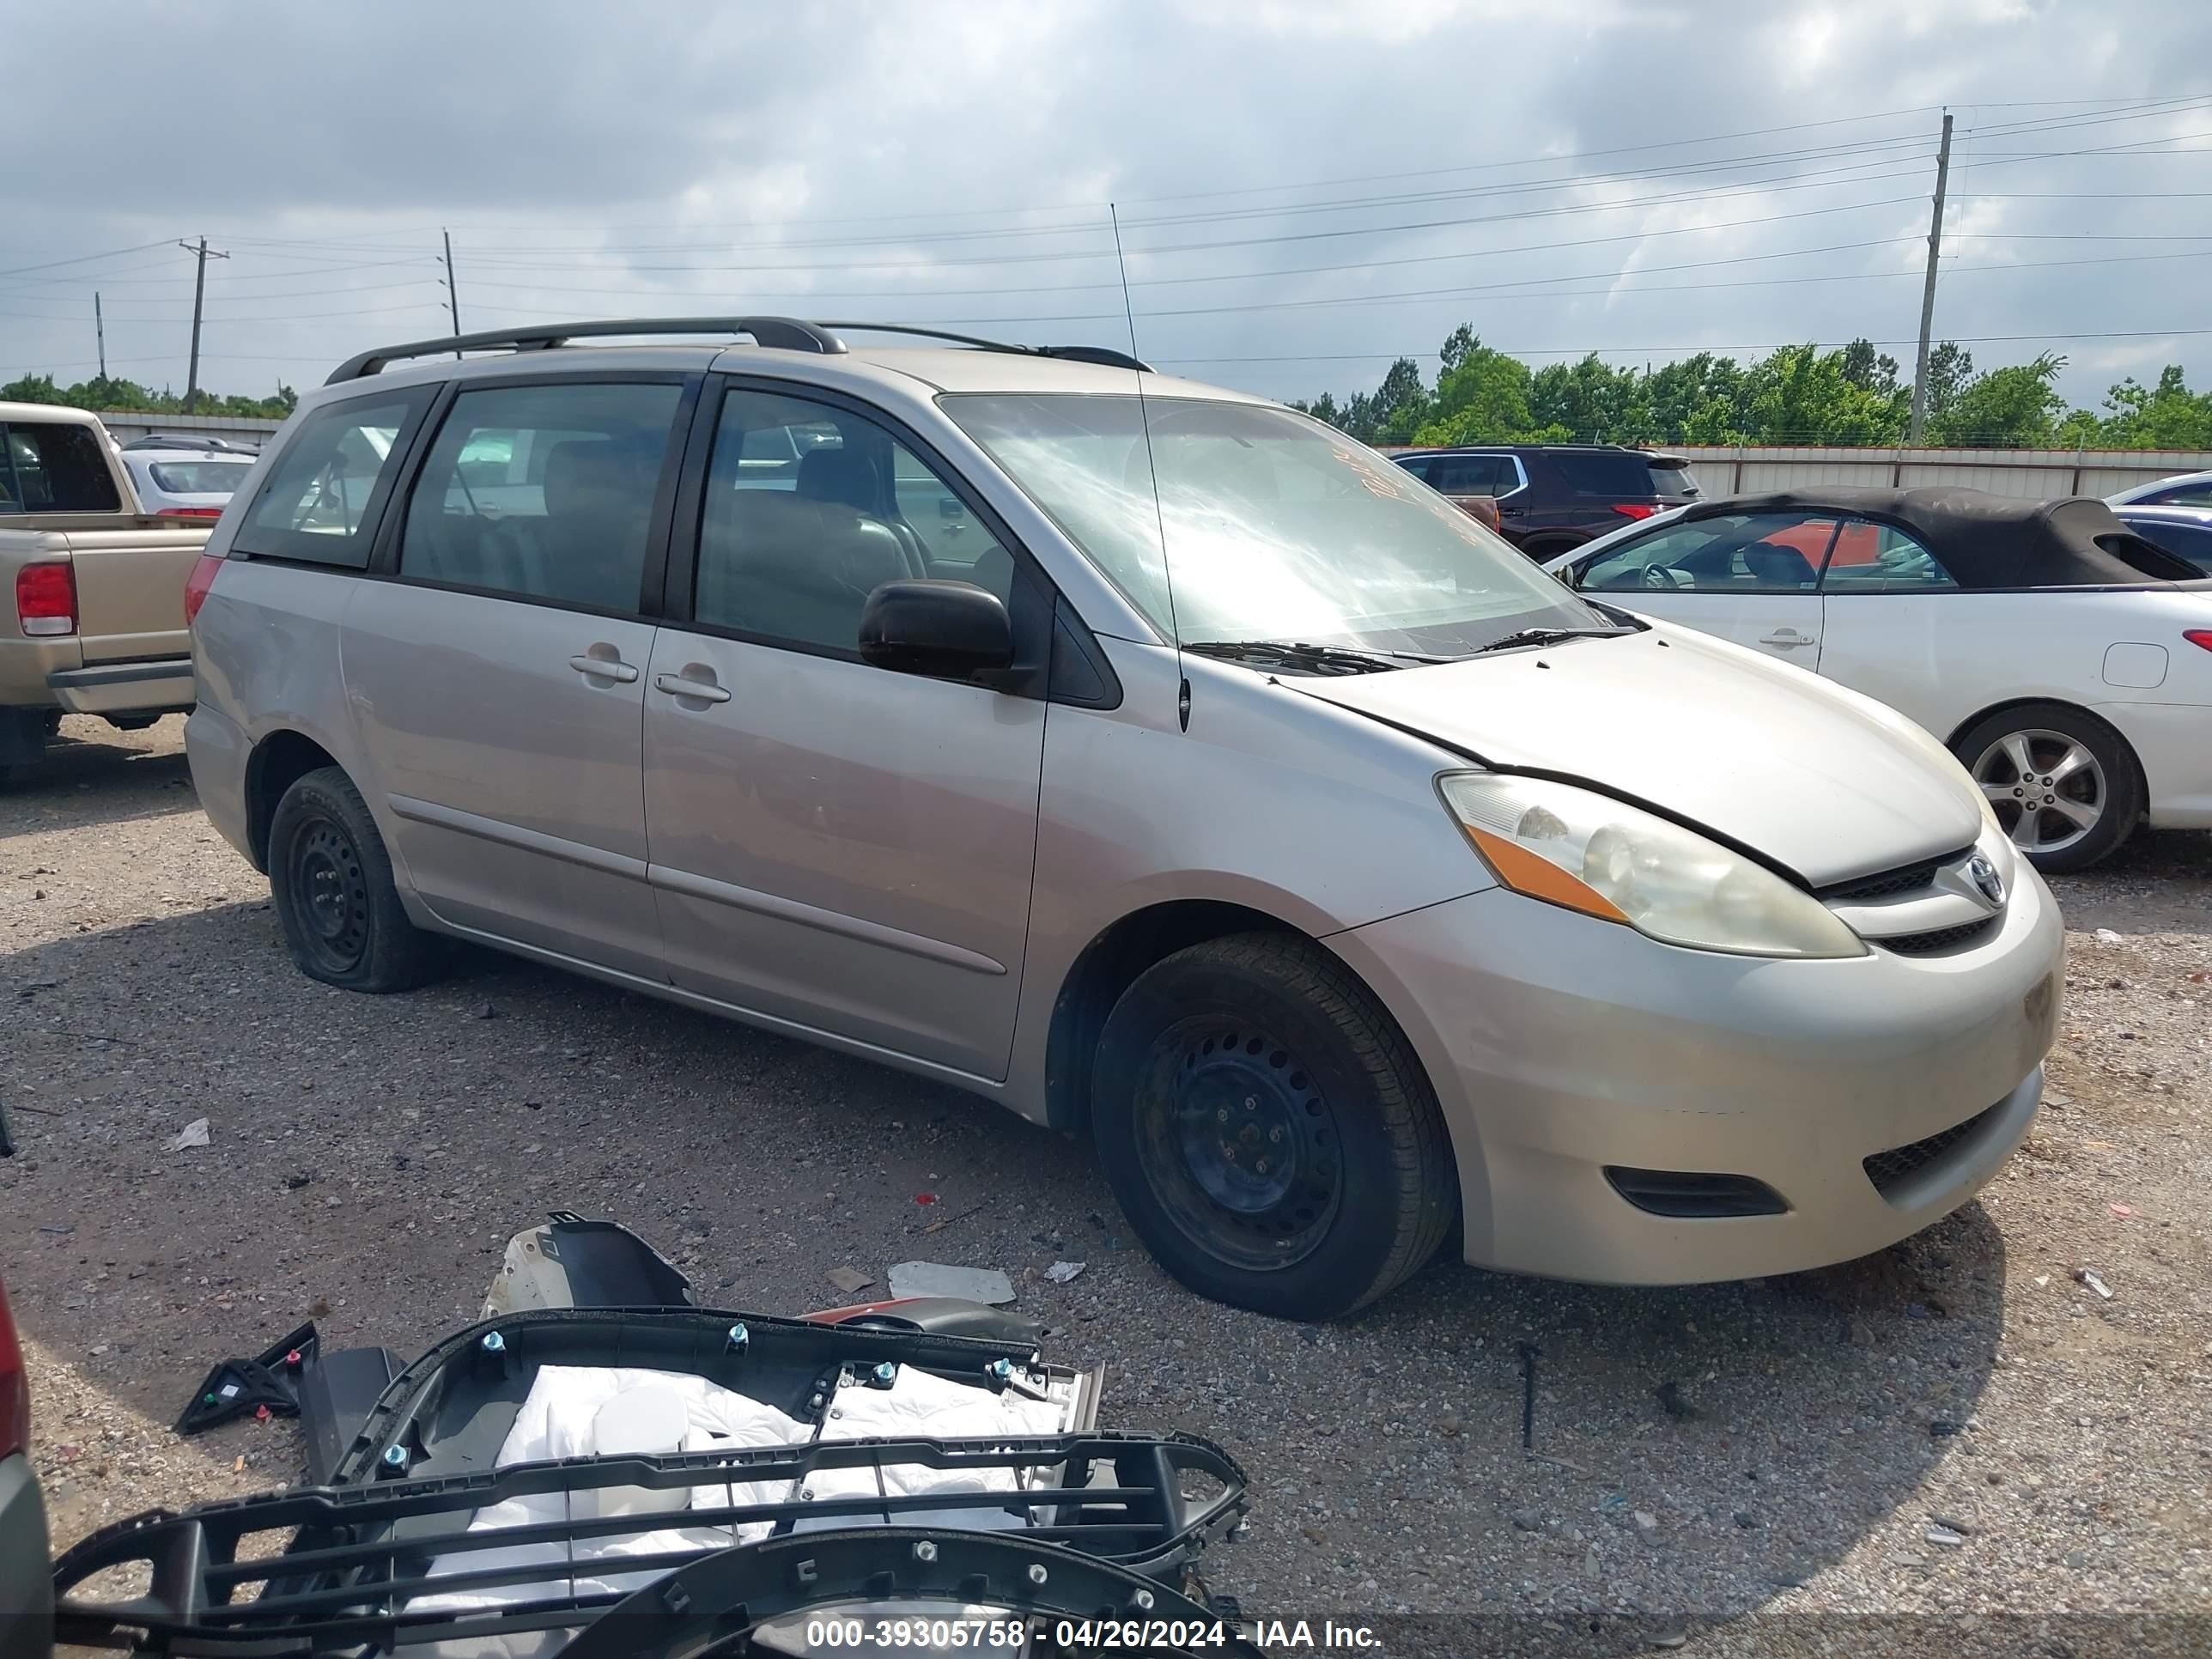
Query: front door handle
[679,685]
[1788,637]
[605,668]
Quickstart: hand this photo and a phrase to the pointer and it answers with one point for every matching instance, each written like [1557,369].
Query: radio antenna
[1152,466]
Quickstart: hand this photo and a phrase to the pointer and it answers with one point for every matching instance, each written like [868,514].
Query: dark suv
[1552,497]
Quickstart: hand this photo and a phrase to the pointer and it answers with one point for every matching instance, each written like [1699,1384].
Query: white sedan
[2065,661]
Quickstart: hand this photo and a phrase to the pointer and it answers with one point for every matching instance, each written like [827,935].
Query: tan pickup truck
[92,617]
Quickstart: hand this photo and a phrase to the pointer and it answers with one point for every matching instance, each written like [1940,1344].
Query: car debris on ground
[985,1285]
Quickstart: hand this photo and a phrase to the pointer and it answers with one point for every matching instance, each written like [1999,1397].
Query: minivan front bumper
[1562,1046]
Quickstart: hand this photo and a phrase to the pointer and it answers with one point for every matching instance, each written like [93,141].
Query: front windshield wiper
[1320,659]
[1549,636]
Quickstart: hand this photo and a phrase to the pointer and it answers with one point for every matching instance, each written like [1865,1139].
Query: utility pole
[1928,291]
[199,293]
[100,329]
[452,294]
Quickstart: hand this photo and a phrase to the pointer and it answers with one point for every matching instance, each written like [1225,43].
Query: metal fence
[239,428]
[2036,473]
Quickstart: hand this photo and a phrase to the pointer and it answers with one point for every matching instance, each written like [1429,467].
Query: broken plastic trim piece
[575,1262]
[240,1387]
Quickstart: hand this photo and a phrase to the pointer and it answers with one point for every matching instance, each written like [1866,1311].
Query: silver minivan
[1142,754]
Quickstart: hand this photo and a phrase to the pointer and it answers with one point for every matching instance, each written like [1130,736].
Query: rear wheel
[2062,783]
[330,879]
[1268,1130]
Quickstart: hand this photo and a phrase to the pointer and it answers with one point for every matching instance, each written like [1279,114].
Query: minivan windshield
[1276,528]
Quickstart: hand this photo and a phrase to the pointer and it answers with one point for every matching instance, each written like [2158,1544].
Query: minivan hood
[1817,779]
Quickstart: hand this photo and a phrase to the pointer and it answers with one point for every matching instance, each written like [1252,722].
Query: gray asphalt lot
[1722,1461]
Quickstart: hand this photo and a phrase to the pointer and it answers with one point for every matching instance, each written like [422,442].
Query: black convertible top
[1988,541]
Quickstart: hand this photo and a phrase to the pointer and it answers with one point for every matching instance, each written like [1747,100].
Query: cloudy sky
[1303,190]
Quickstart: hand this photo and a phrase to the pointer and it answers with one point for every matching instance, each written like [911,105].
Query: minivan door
[834,845]
[497,677]
[1750,578]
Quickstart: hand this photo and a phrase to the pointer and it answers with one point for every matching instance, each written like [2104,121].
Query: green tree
[1799,395]
[106,394]
[1950,367]
[1701,399]
[1868,370]
[1456,345]
[2167,416]
[2014,408]
[1400,403]
[1596,403]
[1484,399]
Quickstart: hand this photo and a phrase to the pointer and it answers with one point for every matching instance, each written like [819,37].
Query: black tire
[2113,785]
[1260,1046]
[332,881]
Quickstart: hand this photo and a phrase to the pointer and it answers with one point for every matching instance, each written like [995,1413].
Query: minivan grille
[1906,879]
[1940,938]
[1899,1163]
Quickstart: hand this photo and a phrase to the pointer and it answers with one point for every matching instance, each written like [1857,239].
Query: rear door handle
[605,668]
[678,685]
[1788,637]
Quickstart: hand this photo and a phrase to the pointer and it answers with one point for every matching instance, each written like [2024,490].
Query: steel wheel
[2049,790]
[1241,1149]
[330,894]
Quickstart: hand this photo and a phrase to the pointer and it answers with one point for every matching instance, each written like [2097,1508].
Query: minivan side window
[809,507]
[1734,553]
[54,466]
[543,492]
[322,497]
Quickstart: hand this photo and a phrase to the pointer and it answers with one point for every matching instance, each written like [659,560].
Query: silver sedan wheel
[2047,788]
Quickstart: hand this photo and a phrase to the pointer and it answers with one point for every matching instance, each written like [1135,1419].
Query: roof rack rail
[1105,356]
[788,333]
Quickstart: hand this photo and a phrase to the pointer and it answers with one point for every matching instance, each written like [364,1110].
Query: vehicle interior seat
[793,565]
[1777,567]
[847,475]
[590,546]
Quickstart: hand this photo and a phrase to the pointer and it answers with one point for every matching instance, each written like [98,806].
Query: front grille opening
[1940,939]
[1694,1195]
[1906,878]
[1889,1169]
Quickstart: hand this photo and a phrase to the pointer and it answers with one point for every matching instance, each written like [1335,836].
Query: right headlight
[1590,853]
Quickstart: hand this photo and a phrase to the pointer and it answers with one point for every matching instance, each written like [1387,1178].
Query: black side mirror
[948,630]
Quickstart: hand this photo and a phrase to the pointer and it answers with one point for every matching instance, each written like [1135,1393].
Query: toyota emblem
[1984,876]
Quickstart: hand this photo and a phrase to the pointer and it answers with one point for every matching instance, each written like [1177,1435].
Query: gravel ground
[1750,1464]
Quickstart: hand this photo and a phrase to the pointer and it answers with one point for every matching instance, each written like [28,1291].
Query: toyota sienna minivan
[1141,755]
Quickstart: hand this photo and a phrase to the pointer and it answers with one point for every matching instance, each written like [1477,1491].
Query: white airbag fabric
[555,1421]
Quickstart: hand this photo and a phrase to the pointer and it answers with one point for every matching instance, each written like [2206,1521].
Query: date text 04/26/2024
[1010,1636]
[1105,1635]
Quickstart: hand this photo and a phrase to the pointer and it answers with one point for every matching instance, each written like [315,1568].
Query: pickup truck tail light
[197,584]
[14,1391]
[190,513]
[46,601]
[1636,509]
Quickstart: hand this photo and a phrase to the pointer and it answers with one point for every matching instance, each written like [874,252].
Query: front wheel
[330,879]
[1268,1130]
[2064,784]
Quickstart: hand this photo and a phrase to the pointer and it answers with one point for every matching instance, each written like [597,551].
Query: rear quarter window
[324,494]
[55,466]
[198,477]
[1622,477]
